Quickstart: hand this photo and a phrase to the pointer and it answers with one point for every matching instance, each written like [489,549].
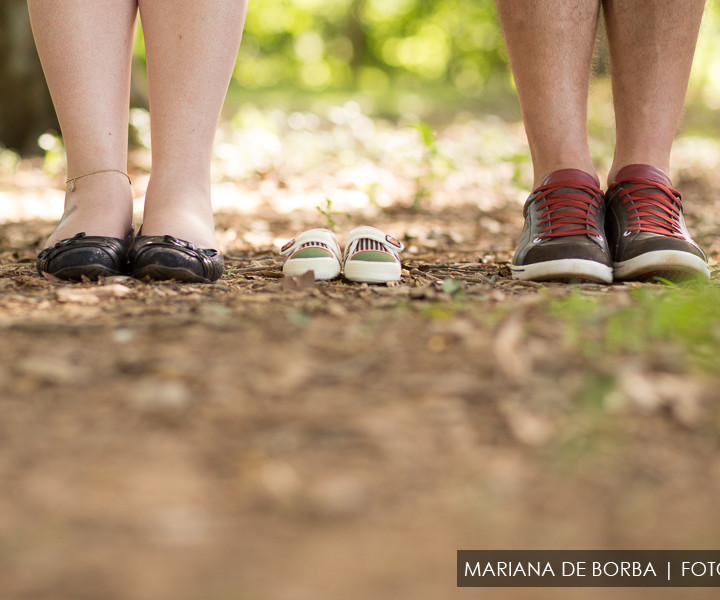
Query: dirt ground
[270,439]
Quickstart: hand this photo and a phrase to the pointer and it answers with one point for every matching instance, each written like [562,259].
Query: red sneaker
[563,238]
[646,230]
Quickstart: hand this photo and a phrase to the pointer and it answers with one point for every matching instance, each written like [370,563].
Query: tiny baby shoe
[371,256]
[314,250]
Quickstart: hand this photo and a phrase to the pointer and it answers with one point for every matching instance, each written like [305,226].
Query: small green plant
[428,135]
[433,165]
[330,214]
[230,271]
[426,174]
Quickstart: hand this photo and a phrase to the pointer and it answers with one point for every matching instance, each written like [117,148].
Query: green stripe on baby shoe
[312,253]
[373,257]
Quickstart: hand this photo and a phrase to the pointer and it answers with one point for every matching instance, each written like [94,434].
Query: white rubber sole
[668,264]
[323,268]
[566,269]
[365,271]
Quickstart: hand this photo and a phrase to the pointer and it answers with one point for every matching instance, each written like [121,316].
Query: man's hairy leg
[550,45]
[652,43]
[190,48]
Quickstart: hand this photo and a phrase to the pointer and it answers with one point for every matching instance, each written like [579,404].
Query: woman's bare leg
[85,49]
[191,49]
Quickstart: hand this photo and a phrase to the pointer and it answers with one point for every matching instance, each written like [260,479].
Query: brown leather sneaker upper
[645,227]
[564,220]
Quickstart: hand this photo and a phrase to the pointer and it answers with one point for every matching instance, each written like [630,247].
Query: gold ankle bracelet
[70,182]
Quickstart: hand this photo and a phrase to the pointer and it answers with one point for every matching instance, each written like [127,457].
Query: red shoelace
[572,211]
[651,206]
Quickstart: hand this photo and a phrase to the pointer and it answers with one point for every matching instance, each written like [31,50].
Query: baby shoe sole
[322,268]
[364,271]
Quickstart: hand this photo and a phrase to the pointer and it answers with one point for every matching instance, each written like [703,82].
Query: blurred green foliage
[683,317]
[370,45]
[379,46]
[705,79]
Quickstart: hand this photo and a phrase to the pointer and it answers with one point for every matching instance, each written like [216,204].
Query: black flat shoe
[82,255]
[161,257]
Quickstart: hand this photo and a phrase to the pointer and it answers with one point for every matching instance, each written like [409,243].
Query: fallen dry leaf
[298,282]
[91,295]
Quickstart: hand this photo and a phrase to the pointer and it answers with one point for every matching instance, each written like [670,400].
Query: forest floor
[264,438]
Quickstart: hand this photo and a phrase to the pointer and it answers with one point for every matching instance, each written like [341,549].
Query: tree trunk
[356,34]
[26,110]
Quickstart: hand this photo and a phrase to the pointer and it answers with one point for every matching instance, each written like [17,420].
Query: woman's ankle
[182,211]
[182,224]
[99,205]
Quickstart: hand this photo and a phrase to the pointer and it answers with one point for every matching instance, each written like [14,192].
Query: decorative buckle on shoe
[391,240]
